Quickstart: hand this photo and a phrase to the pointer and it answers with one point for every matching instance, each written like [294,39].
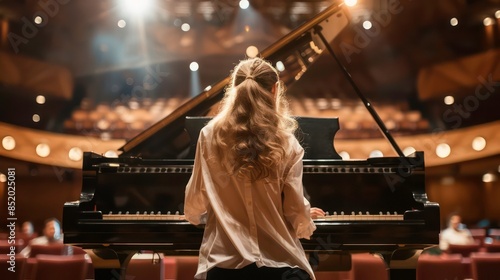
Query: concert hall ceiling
[80,53]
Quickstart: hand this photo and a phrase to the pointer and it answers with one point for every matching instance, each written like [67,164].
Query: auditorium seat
[368,266]
[485,266]
[464,250]
[479,234]
[146,266]
[49,249]
[170,267]
[75,250]
[18,274]
[439,267]
[493,247]
[332,275]
[59,267]
[186,267]
[494,233]
[4,247]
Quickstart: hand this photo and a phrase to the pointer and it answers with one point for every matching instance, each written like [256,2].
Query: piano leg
[403,263]
[110,264]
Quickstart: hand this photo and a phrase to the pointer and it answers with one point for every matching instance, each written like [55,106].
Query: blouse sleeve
[195,202]
[296,207]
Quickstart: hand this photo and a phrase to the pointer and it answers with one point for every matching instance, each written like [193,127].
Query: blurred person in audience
[51,234]
[455,233]
[28,229]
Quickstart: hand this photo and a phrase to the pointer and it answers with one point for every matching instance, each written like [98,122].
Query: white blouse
[248,222]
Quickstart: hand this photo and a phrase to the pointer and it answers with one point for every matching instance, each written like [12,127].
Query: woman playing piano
[246,184]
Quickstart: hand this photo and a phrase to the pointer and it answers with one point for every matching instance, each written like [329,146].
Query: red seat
[485,266]
[493,247]
[332,275]
[19,267]
[186,267]
[49,249]
[170,267]
[479,234]
[494,233]
[439,267]
[464,250]
[368,266]
[146,266]
[4,247]
[59,267]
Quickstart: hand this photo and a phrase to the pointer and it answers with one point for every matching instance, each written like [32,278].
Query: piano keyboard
[328,217]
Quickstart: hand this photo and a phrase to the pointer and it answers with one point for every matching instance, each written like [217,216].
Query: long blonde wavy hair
[252,129]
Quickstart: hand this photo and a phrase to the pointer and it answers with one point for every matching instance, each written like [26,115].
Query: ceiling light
[443,150]
[487,21]
[43,150]
[478,143]
[345,155]
[185,27]
[244,4]
[111,154]
[8,143]
[252,51]
[489,177]
[376,153]
[367,24]
[454,21]
[193,66]
[40,99]
[408,151]
[448,100]
[350,3]
[36,118]
[280,66]
[75,154]
[3,178]
[121,23]
[38,20]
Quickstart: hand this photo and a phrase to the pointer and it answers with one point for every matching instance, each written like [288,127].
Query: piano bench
[180,267]
[146,266]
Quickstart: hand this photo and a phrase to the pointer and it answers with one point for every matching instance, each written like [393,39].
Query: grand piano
[134,202]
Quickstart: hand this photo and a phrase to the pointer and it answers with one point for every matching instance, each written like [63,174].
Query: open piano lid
[297,50]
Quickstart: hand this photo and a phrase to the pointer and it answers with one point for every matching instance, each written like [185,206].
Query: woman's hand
[316,212]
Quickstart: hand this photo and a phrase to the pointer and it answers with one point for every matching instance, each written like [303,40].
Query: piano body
[135,202]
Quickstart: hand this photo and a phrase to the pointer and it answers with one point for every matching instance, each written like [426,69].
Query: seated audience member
[455,233]
[51,234]
[28,230]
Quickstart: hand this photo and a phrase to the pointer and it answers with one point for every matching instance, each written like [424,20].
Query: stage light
[121,23]
[497,14]
[367,24]
[453,21]
[8,143]
[487,21]
[479,143]
[376,153]
[280,66]
[75,154]
[35,118]
[185,27]
[38,20]
[40,99]
[193,66]
[136,7]
[43,150]
[350,3]
[252,51]
[443,150]
[408,151]
[448,100]
[244,4]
